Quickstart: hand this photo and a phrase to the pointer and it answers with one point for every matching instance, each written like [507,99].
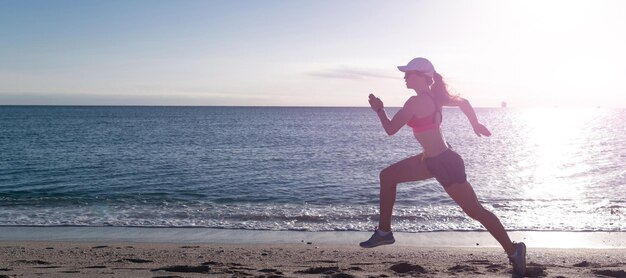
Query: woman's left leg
[463,194]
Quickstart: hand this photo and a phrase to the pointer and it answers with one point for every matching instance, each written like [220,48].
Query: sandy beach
[177,253]
[85,259]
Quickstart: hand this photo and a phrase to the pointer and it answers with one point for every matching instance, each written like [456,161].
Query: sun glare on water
[561,141]
[554,135]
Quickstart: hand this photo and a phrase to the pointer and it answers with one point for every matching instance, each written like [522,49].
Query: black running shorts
[448,168]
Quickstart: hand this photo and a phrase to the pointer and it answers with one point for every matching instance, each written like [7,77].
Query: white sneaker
[377,240]
[518,260]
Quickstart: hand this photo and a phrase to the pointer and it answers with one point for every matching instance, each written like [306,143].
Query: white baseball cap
[419,64]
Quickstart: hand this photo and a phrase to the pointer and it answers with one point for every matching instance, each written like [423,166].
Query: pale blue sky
[309,53]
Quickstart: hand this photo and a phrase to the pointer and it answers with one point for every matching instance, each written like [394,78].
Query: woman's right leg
[407,170]
[463,194]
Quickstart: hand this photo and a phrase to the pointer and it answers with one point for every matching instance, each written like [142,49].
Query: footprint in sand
[100,247]
[586,264]
[490,267]
[611,273]
[332,272]
[406,268]
[463,268]
[185,268]
[535,270]
[32,262]
[138,261]
[319,270]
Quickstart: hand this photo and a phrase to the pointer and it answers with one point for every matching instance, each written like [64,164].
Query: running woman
[422,112]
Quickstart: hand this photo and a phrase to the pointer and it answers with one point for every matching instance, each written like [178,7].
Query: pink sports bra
[426,123]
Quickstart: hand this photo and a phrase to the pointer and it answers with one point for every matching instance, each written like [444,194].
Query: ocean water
[310,169]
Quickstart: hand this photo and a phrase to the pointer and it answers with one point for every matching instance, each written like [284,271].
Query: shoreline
[533,239]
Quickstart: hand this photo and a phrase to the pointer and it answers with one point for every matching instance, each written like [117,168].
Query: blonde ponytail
[440,90]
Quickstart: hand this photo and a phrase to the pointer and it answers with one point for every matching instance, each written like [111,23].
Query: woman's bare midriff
[432,142]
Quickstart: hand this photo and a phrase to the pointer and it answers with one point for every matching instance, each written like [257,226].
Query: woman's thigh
[463,194]
[406,170]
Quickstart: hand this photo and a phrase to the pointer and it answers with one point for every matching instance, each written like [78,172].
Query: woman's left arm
[468,110]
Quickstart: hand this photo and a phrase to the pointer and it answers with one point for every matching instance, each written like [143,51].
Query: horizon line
[276,106]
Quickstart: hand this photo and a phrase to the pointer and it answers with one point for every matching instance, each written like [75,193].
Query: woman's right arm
[392,126]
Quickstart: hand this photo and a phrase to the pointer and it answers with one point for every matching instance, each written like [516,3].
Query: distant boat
[503,104]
